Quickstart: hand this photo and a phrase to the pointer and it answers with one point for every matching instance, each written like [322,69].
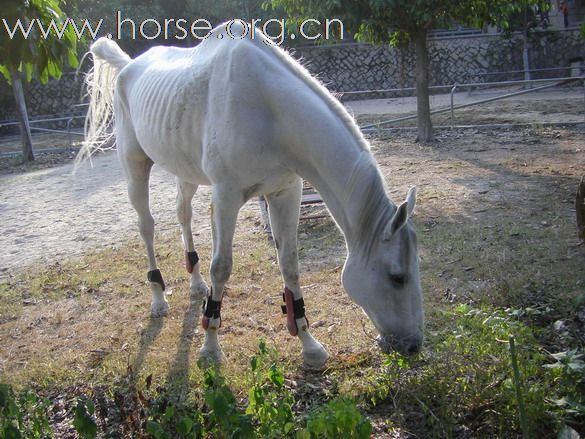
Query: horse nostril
[405,346]
[413,348]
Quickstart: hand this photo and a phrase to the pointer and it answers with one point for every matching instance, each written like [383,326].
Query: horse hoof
[211,357]
[315,359]
[159,309]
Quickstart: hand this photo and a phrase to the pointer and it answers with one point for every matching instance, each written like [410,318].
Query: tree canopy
[39,44]
[36,54]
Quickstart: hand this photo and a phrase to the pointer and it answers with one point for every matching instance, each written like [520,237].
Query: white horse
[239,114]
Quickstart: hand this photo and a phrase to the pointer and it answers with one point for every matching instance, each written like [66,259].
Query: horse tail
[100,81]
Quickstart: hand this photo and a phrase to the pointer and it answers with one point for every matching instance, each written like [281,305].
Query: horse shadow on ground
[147,337]
[178,374]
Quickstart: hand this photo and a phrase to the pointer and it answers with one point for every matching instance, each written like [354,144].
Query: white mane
[316,86]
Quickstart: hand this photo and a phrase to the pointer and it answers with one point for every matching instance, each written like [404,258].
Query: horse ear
[398,220]
[411,200]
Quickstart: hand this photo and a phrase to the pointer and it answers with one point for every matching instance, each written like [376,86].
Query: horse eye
[398,279]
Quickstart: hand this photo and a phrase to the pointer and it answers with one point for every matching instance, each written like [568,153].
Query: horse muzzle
[408,345]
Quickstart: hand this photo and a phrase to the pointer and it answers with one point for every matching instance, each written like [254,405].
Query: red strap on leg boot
[191,259]
[294,309]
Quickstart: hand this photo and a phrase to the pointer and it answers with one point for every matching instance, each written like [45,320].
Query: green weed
[225,418]
[167,421]
[23,415]
[466,383]
[568,371]
[269,402]
[83,421]
[337,418]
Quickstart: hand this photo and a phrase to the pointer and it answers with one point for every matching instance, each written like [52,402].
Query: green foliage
[269,412]
[174,421]
[36,55]
[468,379]
[216,412]
[383,21]
[224,416]
[465,380]
[83,421]
[337,418]
[269,402]
[486,372]
[569,374]
[23,416]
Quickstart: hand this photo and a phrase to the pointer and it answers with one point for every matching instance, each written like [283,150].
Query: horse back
[205,111]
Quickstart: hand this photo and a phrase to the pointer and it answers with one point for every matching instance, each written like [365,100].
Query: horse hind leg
[137,170]
[284,218]
[185,193]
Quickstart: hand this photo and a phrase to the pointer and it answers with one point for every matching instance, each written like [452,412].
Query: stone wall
[55,98]
[359,67]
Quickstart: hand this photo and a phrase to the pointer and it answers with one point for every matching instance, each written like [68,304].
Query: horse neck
[344,172]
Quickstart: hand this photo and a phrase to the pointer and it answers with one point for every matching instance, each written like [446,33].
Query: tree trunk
[580,209]
[526,62]
[27,151]
[526,50]
[423,107]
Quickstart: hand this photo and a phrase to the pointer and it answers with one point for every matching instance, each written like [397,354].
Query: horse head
[386,282]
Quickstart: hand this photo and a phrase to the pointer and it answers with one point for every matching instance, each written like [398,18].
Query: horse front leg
[224,213]
[185,193]
[284,209]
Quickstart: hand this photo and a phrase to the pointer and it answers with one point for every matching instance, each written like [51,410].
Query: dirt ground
[533,106]
[53,214]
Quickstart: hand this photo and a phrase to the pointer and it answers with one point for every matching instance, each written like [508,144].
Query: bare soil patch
[562,107]
[43,159]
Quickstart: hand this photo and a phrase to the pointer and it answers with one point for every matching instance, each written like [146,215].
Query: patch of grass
[460,385]
[214,412]
[55,282]
[466,381]
[463,385]
[11,305]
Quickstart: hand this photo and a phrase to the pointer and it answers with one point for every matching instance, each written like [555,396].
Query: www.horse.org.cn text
[276,30]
